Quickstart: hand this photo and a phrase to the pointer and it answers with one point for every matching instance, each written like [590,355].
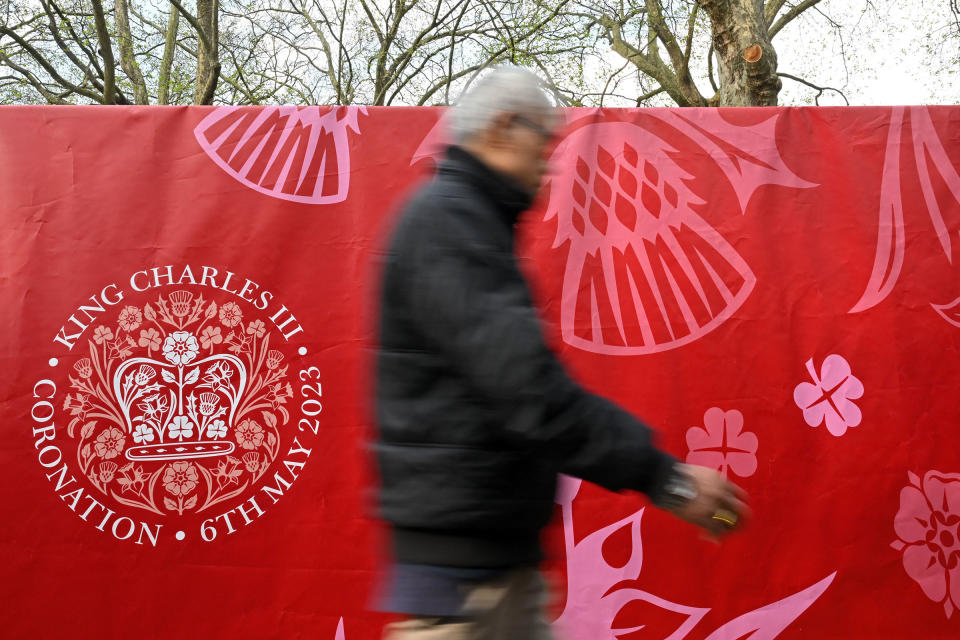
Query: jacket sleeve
[472,304]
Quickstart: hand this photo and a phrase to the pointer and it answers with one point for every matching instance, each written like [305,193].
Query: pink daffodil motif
[830,397]
[722,444]
[928,531]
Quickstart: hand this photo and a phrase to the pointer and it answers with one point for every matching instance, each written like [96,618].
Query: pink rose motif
[928,531]
[180,478]
[109,443]
[130,318]
[722,444]
[829,398]
[249,434]
[230,314]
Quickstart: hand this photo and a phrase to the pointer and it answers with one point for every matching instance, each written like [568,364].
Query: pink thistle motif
[251,461]
[928,531]
[645,273]
[83,368]
[722,444]
[180,303]
[300,154]
[107,470]
[830,397]
[274,358]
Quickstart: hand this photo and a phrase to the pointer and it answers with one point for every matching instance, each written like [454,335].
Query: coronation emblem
[178,396]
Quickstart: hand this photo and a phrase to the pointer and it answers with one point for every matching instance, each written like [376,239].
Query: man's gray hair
[504,90]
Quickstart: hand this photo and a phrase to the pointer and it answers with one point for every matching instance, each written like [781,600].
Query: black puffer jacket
[476,416]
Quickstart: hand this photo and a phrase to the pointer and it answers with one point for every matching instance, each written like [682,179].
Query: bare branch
[820,90]
[789,16]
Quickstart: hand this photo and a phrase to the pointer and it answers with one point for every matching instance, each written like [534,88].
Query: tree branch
[127,60]
[169,51]
[106,51]
[788,17]
[48,67]
[201,34]
[820,90]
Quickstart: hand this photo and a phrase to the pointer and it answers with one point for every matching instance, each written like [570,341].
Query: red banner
[189,298]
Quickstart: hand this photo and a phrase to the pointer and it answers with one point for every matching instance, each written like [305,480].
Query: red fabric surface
[795,326]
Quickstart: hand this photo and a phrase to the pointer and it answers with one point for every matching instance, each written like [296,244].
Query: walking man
[475,415]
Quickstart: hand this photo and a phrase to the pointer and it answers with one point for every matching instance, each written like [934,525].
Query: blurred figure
[476,416]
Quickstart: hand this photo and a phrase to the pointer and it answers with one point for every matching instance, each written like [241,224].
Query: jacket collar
[505,193]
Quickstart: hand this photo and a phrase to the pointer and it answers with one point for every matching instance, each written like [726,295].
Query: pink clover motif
[928,534]
[829,398]
[722,444]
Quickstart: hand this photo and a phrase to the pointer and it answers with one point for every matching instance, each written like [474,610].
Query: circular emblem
[176,396]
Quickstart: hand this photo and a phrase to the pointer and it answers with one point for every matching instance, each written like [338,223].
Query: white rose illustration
[180,348]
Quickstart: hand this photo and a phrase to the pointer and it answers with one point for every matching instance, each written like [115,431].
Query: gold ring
[725,516]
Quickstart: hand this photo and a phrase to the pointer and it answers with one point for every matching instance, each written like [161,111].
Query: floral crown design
[190,395]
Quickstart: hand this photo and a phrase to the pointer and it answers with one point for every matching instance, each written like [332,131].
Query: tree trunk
[747,61]
[106,52]
[208,61]
[169,49]
[128,61]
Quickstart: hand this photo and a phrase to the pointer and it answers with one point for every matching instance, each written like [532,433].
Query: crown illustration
[179,407]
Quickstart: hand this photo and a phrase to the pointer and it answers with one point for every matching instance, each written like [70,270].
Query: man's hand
[719,506]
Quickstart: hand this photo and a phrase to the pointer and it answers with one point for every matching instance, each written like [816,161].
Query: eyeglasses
[545,133]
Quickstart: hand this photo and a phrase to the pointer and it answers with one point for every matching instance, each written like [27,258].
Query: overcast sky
[903,53]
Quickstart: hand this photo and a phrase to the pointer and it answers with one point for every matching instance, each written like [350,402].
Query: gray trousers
[509,607]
